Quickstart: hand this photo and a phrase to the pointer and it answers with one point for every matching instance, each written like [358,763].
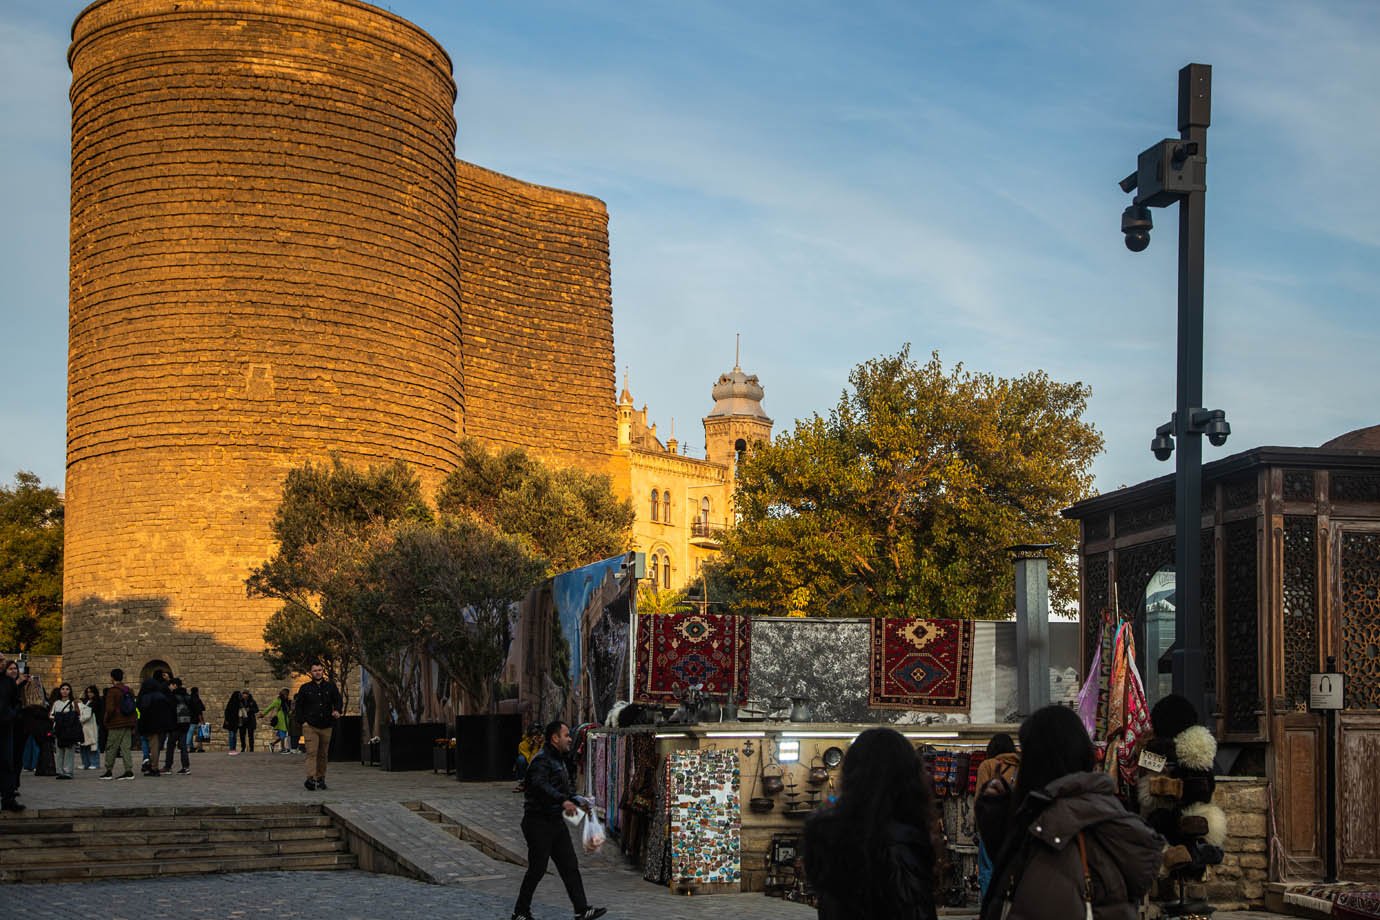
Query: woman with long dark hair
[92,712]
[1064,844]
[66,719]
[870,856]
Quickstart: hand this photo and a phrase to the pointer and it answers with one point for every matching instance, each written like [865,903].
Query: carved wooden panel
[1241,627]
[1358,796]
[1354,487]
[1208,608]
[1134,567]
[1239,493]
[1135,520]
[1096,528]
[1095,599]
[1300,613]
[1298,485]
[1298,768]
[1360,576]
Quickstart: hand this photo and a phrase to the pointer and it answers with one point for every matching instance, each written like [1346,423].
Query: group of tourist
[58,734]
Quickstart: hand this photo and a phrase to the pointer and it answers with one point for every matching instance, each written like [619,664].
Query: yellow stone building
[682,502]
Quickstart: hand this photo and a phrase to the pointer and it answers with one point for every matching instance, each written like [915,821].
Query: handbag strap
[1087,877]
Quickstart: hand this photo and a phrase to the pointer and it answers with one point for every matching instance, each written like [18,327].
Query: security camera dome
[1137,240]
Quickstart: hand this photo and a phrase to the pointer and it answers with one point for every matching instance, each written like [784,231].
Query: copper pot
[818,775]
[761,804]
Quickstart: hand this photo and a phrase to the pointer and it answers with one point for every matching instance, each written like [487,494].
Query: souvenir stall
[711,792]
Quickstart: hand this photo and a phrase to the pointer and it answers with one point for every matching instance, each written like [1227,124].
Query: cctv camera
[1136,224]
[1217,431]
[1162,446]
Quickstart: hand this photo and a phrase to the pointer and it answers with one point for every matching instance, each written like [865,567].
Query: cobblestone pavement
[218,779]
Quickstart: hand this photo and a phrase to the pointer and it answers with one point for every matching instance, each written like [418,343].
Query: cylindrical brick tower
[264,270]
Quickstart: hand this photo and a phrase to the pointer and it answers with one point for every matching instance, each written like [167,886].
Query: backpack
[128,706]
[67,727]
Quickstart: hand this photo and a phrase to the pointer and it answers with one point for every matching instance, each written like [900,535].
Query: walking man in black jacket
[318,705]
[550,793]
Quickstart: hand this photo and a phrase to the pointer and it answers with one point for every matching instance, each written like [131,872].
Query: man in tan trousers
[317,706]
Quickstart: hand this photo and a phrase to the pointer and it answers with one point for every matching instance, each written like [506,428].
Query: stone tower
[737,421]
[272,249]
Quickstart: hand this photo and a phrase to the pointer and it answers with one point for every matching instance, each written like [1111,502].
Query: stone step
[167,837]
[74,872]
[169,811]
[38,856]
[24,826]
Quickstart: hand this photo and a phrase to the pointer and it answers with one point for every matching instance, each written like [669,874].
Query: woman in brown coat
[1065,845]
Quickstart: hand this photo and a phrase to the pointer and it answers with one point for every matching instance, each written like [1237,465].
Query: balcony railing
[706,531]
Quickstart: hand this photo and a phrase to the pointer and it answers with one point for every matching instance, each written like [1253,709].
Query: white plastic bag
[574,818]
[593,834]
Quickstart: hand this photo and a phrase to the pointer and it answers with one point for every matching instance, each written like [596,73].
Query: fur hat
[1216,819]
[1195,748]
[1171,715]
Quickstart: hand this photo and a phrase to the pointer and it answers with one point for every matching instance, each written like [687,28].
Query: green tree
[296,639]
[903,501]
[31,524]
[651,599]
[569,517]
[332,525]
[456,585]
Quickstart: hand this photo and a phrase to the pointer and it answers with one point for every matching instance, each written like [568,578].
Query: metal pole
[1195,103]
[1330,819]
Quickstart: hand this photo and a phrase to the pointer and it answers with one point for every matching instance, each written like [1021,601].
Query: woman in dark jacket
[1065,846]
[157,716]
[870,856]
[239,719]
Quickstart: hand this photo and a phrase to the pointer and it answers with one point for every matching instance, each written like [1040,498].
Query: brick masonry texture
[538,318]
[266,268]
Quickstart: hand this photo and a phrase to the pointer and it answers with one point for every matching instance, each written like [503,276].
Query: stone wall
[1240,881]
[538,318]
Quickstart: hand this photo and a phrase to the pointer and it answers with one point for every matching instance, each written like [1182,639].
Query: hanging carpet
[678,650]
[921,664]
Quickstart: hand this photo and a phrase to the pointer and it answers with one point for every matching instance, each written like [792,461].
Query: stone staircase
[60,845]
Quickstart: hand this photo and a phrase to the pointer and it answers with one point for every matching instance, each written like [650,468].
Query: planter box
[486,747]
[345,740]
[408,747]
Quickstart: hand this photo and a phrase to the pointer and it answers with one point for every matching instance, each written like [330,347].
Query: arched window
[666,571]
[655,569]
[704,509]
[656,503]
[666,506]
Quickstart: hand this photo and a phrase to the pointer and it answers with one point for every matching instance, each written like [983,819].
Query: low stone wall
[1239,882]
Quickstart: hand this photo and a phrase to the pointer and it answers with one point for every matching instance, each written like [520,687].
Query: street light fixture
[1174,171]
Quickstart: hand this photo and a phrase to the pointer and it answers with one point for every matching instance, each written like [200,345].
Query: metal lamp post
[1175,171]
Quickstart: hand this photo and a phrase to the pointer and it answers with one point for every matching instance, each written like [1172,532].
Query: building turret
[625,413]
[737,422]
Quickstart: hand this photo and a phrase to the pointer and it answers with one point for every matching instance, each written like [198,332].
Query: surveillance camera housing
[1162,447]
[1136,224]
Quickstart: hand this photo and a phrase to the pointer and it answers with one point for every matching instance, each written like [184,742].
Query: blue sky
[833,180]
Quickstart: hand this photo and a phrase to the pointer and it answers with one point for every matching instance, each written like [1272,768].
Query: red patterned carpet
[921,664]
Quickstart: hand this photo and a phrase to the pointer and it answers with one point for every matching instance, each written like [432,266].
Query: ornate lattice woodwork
[1240,612]
[1134,567]
[1095,599]
[1355,487]
[1298,485]
[1300,606]
[1361,619]
[1096,528]
[1239,493]
[1147,517]
[1208,607]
